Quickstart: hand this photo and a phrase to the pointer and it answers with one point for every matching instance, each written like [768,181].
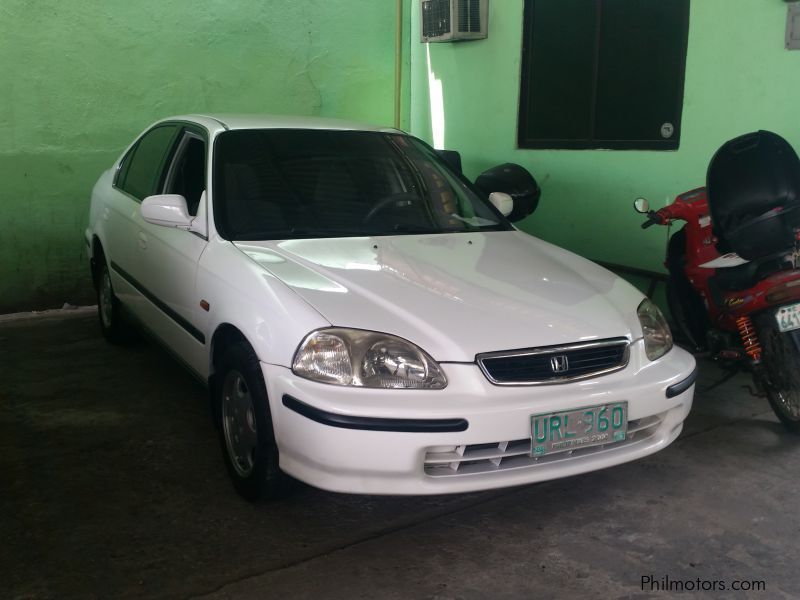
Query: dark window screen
[603,73]
[144,171]
[189,173]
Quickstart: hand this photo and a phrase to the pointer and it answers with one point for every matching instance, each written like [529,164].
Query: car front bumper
[469,436]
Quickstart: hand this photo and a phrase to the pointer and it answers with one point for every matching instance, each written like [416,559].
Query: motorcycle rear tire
[781,363]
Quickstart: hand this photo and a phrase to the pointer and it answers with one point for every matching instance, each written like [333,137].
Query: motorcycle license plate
[788,317]
[579,428]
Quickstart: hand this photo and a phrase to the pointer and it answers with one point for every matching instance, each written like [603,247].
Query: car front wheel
[245,426]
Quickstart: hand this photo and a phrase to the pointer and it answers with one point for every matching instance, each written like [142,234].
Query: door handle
[142,240]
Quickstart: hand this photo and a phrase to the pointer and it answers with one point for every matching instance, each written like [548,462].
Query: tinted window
[282,184]
[603,73]
[144,170]
[188,175]
[124,165]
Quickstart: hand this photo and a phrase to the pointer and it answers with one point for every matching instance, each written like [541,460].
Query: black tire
[244,421]
[781,371]
[113,324]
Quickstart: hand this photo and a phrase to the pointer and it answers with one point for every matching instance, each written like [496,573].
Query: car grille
[555,364]
[516,454]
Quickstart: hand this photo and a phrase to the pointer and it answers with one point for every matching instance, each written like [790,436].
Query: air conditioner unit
[453,20]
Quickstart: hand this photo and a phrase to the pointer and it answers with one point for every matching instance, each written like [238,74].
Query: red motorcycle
[734,268]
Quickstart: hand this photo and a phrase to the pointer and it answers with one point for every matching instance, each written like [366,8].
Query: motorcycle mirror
[641,205]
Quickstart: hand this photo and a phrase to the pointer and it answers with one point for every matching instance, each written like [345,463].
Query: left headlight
[366,359]
[657,336]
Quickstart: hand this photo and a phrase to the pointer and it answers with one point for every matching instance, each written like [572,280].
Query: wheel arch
[223,337]
[97,251]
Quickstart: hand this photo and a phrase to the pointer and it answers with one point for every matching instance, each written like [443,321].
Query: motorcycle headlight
[657,336]
[365,359]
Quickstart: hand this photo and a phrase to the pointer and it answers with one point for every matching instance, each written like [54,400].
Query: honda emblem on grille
[559,363]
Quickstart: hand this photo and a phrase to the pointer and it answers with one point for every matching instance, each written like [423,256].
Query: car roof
[244,121]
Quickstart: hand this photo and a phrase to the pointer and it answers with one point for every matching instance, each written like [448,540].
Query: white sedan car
[366,321]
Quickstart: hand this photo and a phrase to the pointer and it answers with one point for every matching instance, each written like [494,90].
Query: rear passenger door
[138,176]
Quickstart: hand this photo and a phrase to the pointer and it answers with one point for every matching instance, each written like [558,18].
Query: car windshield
[303,183]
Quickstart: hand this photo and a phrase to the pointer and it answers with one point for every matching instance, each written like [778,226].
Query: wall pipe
[398,61]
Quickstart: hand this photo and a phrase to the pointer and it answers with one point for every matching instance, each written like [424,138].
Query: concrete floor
[112,486]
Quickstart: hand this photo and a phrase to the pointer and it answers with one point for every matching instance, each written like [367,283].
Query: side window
[142,172]
[124,165]
[187,175]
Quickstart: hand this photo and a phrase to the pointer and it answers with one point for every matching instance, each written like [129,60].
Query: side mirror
[169,210]
[515,181]
[502,202]
[452,158]
[641,205]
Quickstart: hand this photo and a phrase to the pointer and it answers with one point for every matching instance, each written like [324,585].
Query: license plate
[788,317]
[579,428]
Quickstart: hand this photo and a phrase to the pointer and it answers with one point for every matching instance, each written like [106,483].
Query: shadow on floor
[113,486]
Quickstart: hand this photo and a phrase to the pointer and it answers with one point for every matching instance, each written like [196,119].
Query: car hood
[455,295]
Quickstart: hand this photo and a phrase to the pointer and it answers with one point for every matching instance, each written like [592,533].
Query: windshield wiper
[405,229]
[325,232]
[475,221]
[298,232]
[493,227]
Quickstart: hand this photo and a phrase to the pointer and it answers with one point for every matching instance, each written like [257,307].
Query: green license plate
[788,317]
[579,428]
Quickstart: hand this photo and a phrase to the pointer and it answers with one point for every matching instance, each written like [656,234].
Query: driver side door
[167,257]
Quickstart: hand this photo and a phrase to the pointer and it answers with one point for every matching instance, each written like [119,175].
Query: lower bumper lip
[348,460]
[374,423]
[680,387]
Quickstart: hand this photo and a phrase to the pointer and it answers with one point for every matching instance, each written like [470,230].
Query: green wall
[738,78]
[80,79]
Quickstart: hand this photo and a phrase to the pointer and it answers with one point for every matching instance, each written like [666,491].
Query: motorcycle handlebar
[653,218]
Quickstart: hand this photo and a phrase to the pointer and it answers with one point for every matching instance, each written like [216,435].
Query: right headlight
[657,336]
[358,358]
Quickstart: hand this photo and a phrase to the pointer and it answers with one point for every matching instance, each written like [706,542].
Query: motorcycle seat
[743,277]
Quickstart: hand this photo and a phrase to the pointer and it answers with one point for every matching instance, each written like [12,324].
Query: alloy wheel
[106,299]
[239,423]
